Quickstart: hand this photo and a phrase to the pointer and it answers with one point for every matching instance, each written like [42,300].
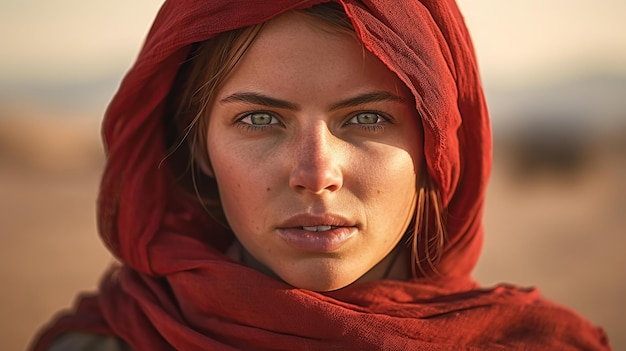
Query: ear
[205,168]
[203,162]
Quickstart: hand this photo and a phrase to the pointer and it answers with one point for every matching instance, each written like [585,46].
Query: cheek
[394,166]
[243,185]
[390,183]
[400,175]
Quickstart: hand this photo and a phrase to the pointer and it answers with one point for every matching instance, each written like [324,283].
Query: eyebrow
[261,99]
[375,96]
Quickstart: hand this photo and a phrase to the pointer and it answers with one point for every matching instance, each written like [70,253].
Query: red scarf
[177,290]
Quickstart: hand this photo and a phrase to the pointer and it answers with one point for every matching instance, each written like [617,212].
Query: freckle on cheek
[268,189]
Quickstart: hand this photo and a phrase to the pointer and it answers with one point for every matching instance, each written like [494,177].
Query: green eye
[366,118]
[259,119]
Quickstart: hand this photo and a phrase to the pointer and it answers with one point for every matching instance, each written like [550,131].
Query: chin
[319,280]
[320,286]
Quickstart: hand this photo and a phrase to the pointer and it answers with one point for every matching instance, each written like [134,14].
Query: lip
[311,220]
[325,241]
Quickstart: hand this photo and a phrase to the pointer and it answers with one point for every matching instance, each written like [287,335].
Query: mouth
[317,222]
[321,234]
[318,228]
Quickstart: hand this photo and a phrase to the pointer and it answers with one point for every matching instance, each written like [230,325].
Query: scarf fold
[176,289]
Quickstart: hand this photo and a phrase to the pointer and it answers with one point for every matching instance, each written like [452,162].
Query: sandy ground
[566,237]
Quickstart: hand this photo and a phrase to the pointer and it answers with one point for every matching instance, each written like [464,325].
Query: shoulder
[91,342]
[524,315]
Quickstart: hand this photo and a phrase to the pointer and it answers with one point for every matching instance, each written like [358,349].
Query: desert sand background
[556,208]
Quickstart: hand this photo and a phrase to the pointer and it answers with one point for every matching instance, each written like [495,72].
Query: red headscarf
[177,290]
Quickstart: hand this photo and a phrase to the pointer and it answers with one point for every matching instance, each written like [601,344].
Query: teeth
[319,228]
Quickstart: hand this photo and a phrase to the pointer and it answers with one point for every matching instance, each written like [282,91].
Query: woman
[290,176]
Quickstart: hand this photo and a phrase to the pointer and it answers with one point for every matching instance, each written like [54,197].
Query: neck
[394,266]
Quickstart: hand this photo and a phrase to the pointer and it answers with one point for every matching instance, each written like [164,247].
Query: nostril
[333,187]
[316,181]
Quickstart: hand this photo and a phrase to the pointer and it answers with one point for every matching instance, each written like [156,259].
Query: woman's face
[315,146]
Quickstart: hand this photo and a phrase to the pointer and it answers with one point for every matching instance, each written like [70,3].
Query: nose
[317,167]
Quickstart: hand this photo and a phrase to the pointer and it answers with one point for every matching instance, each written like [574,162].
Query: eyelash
[256,127]
[377,127]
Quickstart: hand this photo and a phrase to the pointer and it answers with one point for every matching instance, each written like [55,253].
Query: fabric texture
[176,289]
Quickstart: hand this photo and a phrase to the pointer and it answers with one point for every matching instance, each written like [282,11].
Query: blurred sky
[518,42]
[68,40]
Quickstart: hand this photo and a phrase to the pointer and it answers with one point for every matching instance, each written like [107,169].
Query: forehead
[296,52]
